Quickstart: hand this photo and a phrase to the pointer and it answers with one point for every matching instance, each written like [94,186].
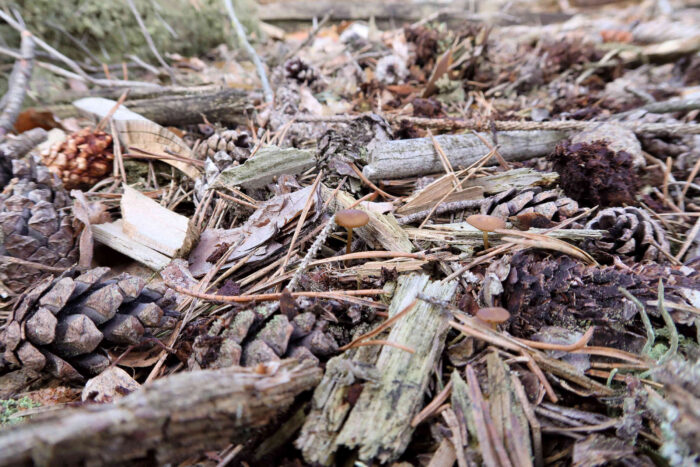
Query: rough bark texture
[379,424]
[170,420]
[178,108]
[411,157]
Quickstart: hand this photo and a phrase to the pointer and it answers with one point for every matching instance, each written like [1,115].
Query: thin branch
[149,41]
[240,32]
[17,87]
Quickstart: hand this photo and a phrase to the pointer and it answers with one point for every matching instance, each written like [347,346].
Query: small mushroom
[493,316]
[486,224]
[350,219]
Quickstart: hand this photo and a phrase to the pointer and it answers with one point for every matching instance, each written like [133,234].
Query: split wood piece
[382,231]
[112,234]
[415,157]
[516,178]
[173,418]
[379,424]
[261,169]
[180,106]
[507,413]
[154,226]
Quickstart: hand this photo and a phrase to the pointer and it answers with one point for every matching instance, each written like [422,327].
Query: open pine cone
[552,204]
[63,325]
[630,232]
[235,144]
[35,224]
[83,159]
[240,340]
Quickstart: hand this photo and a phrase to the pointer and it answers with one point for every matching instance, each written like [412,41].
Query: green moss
[110,30]
[9,407]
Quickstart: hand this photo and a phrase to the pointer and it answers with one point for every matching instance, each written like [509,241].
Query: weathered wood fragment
[378,425]
[153,225]
[412,157]
[261,169]
[171,419]
[112,235]
[176,107]
[382,231]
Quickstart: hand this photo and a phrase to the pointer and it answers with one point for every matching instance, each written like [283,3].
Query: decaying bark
[411,157]
[184,108]
[268,163]
[392,383]
[170,420]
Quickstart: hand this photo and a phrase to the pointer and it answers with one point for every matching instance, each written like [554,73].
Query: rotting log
[378,426]
[415,157]
[225,105]
[167,421]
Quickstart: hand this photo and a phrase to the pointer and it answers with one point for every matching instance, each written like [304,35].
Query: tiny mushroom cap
[351,218]
[494,315]
[486,223]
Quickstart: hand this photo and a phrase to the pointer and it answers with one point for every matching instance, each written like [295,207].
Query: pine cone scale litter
[549,203]
[70,320]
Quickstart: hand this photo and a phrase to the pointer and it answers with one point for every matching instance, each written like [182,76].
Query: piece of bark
[154,226]
[108,386]
[172,419]
[382,230]
[261,169]
[176,107]
[415,157]
[514,178]
[378,425]
[112,235]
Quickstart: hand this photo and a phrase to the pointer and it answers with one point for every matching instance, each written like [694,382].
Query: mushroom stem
[486,240]
[349,245]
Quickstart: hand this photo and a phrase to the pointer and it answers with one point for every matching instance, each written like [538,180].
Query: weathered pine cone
[550,203]
[63,325]
[246,339]
[300,71]
[629,232]
[35,224]
[83,159]
[236,144]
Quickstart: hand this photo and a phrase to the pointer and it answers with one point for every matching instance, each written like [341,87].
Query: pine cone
[15,147]
[236,144]
[630,232]
[61,325]
[300,71]
[240,340]
[550,203]
[35,224]
[82,160]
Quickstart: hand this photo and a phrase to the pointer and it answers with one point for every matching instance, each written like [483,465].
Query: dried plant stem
[149,41]
[240,32]
[315,246]
[442,208]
